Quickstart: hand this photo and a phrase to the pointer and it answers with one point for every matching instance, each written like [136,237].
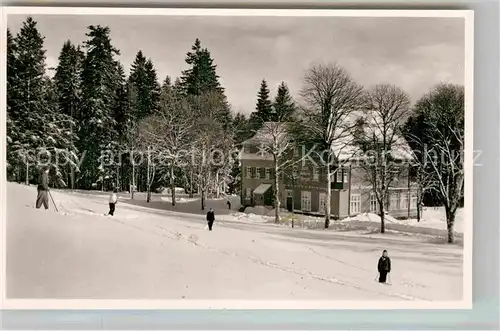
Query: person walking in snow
[228,204]
[43,189]
[384,267]
[113,199]
[210,219]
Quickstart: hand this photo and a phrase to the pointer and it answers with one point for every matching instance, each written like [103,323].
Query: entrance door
[289,204]
[305,200]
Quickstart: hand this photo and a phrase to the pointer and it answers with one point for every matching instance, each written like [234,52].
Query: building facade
[302,186]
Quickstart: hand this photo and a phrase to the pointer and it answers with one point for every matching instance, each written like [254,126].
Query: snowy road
[152,254]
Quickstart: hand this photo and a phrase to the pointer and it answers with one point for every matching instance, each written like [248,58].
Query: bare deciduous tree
[443,113]
[379,136]
[275,139]
[331,97]
[168,134]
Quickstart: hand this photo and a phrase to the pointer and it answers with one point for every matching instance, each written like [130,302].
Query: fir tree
[12,128]
[166,84]
[284,106]
[263,108]
[264,105]
[144,81]
[37,126]
[27,99]
[99,79]
[122,112]
[68,79]
[201,77]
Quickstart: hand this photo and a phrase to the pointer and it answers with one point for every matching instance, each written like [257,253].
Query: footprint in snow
[193,238]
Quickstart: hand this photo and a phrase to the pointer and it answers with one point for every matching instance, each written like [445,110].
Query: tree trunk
[408,193]
[418,210]
[382,218]
[72,177]
[203,199]
[276,194]
[450,222]
[148,179]
[132,189]
[328,194]
[191,184]
[172,184]
[27,173]
[117,185]
[217,186]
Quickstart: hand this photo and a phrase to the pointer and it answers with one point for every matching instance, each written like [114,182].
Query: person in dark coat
[384,267]
[43,190]
[210,219]
[228,204]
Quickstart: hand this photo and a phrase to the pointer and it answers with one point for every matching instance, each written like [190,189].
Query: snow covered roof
[399,146]
[267,133]
[262,188]
[344,147]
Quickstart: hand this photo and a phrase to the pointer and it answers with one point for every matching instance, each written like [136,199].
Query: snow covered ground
[145,253]
[431,225]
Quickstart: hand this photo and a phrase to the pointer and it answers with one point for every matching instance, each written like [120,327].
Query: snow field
[143,253]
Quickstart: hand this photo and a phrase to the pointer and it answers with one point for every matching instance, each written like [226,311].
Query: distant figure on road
[113,199]
[229,204]
[43,189]
[384,267]
[210,219]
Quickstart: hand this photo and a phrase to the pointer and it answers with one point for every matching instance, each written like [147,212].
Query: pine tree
[144,80]
[68,87]
[263,108]
[153,87]
[201,77]
[36,127]
[166,84]
[68,78]
[284,106]
[264,105]
[27,102]
[12,129]
[99,85]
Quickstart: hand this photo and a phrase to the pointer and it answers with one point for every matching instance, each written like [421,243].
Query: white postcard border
[465,303]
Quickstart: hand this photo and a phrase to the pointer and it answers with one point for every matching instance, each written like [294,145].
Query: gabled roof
[344,148]
[268,132]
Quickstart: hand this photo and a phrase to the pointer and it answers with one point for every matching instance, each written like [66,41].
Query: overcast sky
[413,53]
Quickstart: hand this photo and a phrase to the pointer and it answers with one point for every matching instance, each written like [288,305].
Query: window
[403,202]
[346,177]
[305,200]
[268,173]
[413,201]
[289,193]
[257,172]
[322,203]
[339,175]
[373,203]
[394,201]
[355,203]
[248,193]
[249,172]
[315,173]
